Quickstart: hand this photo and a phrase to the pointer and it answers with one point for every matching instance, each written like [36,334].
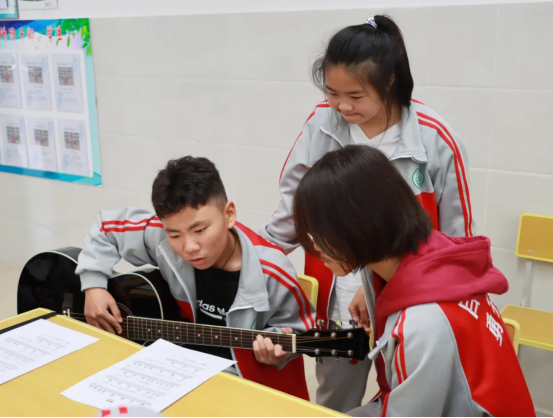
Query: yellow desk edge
[289,398]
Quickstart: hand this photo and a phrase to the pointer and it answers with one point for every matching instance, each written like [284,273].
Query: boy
[441,346]
[219,271]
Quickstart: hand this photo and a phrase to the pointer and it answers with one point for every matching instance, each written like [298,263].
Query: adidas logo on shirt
[211,309]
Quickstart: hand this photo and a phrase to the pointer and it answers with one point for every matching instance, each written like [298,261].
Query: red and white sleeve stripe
[460,171]
[128,225]
[319,106]
[399,356]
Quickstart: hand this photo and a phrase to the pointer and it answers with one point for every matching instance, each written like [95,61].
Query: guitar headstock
[351,343]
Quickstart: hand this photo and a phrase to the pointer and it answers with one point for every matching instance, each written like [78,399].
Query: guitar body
[48,280]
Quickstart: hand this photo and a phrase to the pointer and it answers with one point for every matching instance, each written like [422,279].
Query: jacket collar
[383,340]
[410,146]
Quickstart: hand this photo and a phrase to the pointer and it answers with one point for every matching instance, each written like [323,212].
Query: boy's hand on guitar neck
[97,306]
[268,353]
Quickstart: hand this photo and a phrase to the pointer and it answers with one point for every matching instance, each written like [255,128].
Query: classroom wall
[127,8]
[235,88]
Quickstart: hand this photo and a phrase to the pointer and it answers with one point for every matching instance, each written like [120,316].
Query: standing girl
[366,77]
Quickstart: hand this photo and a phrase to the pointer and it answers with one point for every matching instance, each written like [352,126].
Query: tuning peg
[320,360]
[353,322]
[335,323]
[320,323]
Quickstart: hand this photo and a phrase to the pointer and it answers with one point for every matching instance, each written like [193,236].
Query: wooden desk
[38,393]
[536,327]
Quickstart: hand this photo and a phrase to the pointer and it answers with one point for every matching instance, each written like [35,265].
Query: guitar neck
[147,329]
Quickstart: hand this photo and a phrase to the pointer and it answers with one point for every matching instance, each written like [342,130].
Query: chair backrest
[513,329]
[535,237]
[310,286]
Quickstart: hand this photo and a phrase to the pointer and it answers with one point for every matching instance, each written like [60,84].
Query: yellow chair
[310,286]
[513,329]
[536,327]
[535,243]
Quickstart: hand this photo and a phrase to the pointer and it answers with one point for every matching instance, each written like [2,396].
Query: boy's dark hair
[358,209]
[186,182]
[375,55]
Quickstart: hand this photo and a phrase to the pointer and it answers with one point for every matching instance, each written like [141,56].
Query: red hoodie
[445,322]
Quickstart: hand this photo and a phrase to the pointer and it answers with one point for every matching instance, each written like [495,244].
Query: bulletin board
[9,9]
[48,113]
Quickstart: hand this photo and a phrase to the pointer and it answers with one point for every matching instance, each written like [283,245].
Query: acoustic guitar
[150,312]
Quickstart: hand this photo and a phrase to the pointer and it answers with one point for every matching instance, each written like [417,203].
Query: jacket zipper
[411,156]
[238,308]
[333,137]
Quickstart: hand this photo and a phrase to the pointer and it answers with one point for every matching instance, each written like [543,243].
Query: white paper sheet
[14,140]
[42,144]
[73,147]
[67,79]
[38,4]
[33,345]
[154,378]
[10,90]
[36,79]
[3,4]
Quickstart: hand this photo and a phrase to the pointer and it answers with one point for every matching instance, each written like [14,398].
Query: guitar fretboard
[196,334]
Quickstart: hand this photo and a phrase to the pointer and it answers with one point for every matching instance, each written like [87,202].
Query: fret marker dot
[236,338]
[148,330]
[177,338]
[158,330]
[199,335]
[216,336]
[176,327]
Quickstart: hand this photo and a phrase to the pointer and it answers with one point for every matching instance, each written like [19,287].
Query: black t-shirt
[215,293]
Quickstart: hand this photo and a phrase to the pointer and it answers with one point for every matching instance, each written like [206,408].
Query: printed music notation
[155,377]
[33,345]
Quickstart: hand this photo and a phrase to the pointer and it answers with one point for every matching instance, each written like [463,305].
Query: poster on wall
[38,4]
[10,91]
[73,147]
[14,140]
[42,144]
[47,92]
[67,77]
[9,9]
[36,81]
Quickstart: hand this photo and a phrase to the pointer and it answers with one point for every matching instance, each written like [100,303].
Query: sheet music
[33,345]
[154,378]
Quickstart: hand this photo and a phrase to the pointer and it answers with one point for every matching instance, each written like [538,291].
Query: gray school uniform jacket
[442,348]
[269,296]
[429,156]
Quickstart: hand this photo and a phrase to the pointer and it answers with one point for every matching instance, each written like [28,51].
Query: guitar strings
[142,329]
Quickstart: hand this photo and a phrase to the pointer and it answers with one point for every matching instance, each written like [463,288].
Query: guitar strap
[46,316]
